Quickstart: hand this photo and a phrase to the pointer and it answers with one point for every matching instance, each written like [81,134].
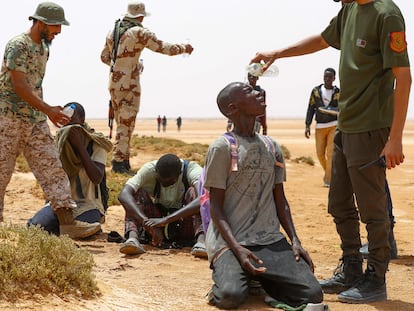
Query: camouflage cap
[50,13]
[136,9]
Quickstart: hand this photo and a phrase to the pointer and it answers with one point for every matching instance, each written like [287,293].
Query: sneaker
[370,288]
[132,247]
[80,229]
[199,250]
[346,274]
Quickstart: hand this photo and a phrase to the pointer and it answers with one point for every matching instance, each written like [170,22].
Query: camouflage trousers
[36,143]
[126,106]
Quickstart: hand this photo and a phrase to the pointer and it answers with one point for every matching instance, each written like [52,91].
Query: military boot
[370,288]
[127,165]
[346,274]
[75,229]
[120,168]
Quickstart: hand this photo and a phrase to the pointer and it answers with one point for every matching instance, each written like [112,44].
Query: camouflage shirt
[23,55]
[124,75]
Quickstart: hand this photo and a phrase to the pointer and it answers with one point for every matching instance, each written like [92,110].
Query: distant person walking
[122,52]
[164,123]
[179,122]
[158,123]
[323,104]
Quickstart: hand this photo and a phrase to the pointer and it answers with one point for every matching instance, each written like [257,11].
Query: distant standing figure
[260,120]
[158,123]
[122,51]
[323,104]
[164,123]
[179,122]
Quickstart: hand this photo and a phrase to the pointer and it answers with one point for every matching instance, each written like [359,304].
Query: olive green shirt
[371,38]
[23,55]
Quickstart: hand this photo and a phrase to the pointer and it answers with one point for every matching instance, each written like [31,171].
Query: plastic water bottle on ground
[256,69]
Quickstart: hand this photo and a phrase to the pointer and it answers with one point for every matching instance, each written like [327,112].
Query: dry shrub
[303,159]
[32,262]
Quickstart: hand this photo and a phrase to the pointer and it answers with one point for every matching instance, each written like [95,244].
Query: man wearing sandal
[161,207]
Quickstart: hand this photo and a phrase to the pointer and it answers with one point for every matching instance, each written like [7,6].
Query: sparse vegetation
[32,262]
[22,165]
[303,159]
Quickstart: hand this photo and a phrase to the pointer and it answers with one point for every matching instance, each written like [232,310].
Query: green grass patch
[33,262]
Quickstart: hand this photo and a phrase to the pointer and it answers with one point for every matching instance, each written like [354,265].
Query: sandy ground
[174,280]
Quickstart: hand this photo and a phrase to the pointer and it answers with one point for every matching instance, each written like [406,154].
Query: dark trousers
[285,279]
[47,219]
[357,193]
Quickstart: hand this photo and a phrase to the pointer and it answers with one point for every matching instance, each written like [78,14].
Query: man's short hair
[225,97]
[169,165]
[331,70]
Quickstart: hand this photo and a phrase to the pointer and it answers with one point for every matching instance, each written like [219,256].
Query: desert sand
[174,280]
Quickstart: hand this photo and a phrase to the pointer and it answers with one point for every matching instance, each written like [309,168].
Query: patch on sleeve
[397,41]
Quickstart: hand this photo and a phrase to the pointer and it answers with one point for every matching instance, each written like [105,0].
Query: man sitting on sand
[83,155]
[163,188]
[248,205]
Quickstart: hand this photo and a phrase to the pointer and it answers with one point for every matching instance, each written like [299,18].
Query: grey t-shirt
[249,203]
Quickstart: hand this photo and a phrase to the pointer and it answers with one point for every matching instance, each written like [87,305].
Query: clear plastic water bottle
[69,110]
[256,69]
[141,66]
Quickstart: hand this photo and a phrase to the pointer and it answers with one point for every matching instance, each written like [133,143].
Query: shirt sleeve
[393,45]
[144,178]
[332,33]
[99,154]
[16,56]
[280,167]
[217,164]
[193,172]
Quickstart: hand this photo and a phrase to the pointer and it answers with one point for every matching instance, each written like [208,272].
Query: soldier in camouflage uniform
[124,83]
[23,117]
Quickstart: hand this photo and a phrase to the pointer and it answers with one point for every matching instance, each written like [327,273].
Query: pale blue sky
[225,34]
